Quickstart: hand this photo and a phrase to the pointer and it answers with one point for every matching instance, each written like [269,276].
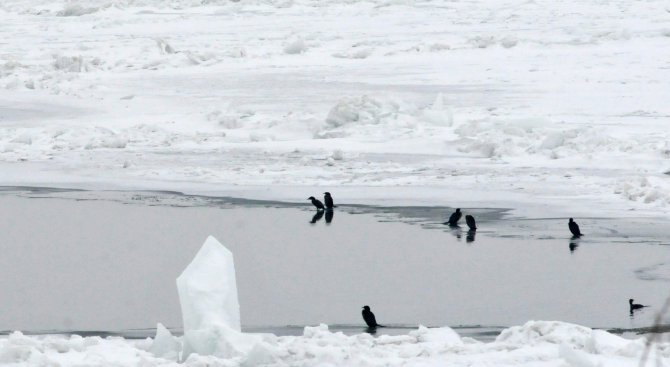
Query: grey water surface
[105,262]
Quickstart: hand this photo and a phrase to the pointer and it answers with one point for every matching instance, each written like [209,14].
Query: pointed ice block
[208,289]
[208,296]
[165,345]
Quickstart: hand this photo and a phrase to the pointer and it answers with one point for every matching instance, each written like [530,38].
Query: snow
[537,343]
[522,104]
[165,345]
[501,104]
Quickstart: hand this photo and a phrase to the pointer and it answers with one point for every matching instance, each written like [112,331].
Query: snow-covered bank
[537,343]
[535,101]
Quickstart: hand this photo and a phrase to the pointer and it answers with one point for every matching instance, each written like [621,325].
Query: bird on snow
[635,306]
[328,200]
[574,228]
[318,204]
[470,221]
[454,218]
[369,317]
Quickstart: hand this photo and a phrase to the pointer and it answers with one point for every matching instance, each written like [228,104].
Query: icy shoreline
[494,104]
[536,343]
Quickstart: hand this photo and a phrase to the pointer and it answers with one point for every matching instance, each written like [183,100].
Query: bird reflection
[329,215]
[573,245]
[456,231]
[373,330]
[317,217]
[470,236]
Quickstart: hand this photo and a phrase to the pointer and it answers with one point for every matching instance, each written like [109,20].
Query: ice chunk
[298,46]
[210,309]
[439,113]
[208,289]
[165,345]
[438,336]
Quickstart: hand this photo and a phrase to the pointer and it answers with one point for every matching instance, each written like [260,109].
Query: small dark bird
[328,200]
[454,218]
[470,221]
[635,306]
[369,317]
[574,228]
[316,203]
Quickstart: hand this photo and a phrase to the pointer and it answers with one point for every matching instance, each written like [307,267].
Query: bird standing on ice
[316,203]
[369,317]
[574,228]
[328,200]
[454,218]
[470,221]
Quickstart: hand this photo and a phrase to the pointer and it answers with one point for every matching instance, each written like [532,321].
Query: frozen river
[107,261]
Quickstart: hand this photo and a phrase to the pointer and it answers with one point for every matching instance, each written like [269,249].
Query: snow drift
[536,343]
[409,92]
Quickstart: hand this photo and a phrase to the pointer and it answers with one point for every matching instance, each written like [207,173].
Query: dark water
[106,262]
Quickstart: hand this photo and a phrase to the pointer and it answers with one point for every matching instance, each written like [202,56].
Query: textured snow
[165,345]
[513,103]
[537,343]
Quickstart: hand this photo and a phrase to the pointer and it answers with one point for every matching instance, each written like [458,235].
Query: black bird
[454,218]
[317,216]
[369,317]
[633,306]
[574,228]
[470,221]
[316,203]
[328,200]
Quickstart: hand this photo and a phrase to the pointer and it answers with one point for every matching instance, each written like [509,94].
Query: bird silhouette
[574,228]
[328,200]
[470,221]
[454,218]
[318,204]
[369,317]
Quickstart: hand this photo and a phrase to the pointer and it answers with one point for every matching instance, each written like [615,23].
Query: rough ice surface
[460,103]
[536,344]
[165,345]
[210,308]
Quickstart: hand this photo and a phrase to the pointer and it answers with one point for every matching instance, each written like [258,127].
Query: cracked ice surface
[504,104]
